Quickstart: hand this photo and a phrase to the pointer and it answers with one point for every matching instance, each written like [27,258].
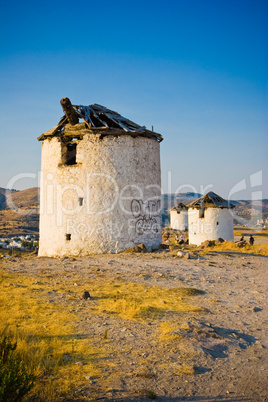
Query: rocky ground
[218,354]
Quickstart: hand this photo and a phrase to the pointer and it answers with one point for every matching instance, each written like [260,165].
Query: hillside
[19,210]
[246,212]
[4,193]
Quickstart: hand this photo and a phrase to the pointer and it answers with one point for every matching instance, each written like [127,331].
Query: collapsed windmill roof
[210,200]
[97,119]
[179,207]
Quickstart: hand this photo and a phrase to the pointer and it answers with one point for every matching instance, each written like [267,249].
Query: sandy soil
[224,347]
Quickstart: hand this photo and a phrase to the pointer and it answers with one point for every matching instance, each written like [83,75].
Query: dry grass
[46,330]
[136,301]
[45,336]
[258,249]
[237,233]
[187,370]
[167,331]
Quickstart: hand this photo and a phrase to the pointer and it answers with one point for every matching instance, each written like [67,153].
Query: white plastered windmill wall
[179,217]
[109,197]
[210,218]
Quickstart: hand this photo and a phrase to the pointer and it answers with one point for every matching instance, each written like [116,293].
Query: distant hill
[170,200]
[180,196]
[245,212]
[2,198]
[25,199]
[249,212]
[4,193]
[19,212]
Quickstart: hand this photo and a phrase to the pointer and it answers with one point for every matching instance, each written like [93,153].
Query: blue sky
[195,70]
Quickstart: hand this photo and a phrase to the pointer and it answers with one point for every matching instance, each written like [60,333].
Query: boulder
[141,248]
[182,254]
[206,243]
[164,247]
[219,241]
[241,243]
[86,295]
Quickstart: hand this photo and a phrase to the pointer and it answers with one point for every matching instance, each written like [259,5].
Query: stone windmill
[100,184]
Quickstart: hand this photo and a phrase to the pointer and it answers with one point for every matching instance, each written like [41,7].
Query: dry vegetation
[259,248]
[44,332]
[19,212]
[156,325]
[46,329]
[76,356]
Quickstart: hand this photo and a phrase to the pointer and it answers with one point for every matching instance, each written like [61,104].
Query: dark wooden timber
[79,130]
[69,110]
[98,120]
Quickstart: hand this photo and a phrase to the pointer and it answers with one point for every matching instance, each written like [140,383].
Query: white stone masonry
[216,223]
[109,200]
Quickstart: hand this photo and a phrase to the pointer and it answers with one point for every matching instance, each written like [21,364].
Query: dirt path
[219,354]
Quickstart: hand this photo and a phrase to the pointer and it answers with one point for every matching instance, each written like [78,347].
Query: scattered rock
[219,241]
[79,363]
[164,247]
[207,243]
[66,356]
[180,253]
[143,248]
[136,249]
[241,243]
[88,377]
[86,295]
[256,309]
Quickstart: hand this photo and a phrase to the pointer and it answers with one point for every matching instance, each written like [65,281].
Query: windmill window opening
[69,153]
[201,213]
[81,200]
[68,236]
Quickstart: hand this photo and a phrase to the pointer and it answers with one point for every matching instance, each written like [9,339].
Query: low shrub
[16,379]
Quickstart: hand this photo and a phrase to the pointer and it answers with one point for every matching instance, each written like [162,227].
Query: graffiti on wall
[147,215]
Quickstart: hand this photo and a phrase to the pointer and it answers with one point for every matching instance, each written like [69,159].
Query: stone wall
[106,202]
[216,223]
[179,220]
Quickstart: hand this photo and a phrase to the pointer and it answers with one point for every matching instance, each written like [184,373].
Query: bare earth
[226,345]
